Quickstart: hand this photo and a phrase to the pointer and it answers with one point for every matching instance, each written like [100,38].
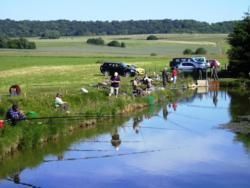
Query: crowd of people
[140,87]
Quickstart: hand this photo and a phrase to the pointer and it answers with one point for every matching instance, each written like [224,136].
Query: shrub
[188,51]
[201,51]
[123,45]
[96,41]
[152,37]
[153,54]
[20,43]
[114,43]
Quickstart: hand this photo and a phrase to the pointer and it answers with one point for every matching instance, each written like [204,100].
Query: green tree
[96,41]
[239,54]
[123,45]
[200,51]
[152,37]
[188,51]
[114,43]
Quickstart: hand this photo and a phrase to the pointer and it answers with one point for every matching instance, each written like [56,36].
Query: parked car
[198,61]
[191,67]
[109,68]
[139,70]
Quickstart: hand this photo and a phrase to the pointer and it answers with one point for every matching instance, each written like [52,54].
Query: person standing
[214,71]
[115,84]
[174,75]
[164,77]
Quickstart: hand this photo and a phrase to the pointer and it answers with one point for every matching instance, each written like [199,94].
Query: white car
[191,66]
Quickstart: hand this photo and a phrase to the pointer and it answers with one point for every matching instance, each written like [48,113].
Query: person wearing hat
[14,115]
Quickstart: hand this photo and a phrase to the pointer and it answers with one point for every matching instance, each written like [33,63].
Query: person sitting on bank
[149,86]
[59,103]
[115,84]
[137,90]
[14,115]
[15,90]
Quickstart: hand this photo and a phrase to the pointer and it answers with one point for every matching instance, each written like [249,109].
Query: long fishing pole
[102,156]
[110,156]
[104,141]
[157,128]
[207,107]
[190,117]
[89,150]
[183,127]
[22,183]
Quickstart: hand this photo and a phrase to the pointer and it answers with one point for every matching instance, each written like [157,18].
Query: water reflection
[171,145]
[136,123]
[116,141]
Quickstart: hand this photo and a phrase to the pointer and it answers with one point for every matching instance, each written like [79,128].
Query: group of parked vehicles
[193,64]
[183,64]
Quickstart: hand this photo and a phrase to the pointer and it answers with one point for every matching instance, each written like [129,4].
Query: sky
[107,10]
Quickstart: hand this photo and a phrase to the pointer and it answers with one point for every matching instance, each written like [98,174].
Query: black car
[109,68]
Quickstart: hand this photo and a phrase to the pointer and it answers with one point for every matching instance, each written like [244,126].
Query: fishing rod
[207,107]
[89,150]
[157,128]
[103,156]
[110,156]
[190,117]
[183,127]
[101,141]
[21,183]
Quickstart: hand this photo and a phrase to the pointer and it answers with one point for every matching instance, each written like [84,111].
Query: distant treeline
[27,28]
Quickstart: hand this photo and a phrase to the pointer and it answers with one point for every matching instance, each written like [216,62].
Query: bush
[96,41]
[123,45]
[116,43]
[152,37]
[200,51]
[153,54]
[21,43]
[188,51]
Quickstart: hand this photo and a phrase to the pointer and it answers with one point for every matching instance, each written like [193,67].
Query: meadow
[67,64]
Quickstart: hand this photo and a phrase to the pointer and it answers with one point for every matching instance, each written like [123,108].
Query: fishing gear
[102,156]
[207,107]
[126,141]
[22,183]
[89,150]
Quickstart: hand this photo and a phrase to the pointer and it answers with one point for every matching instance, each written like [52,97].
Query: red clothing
[174,73]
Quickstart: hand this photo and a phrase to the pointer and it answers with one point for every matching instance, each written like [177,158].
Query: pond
[171,145]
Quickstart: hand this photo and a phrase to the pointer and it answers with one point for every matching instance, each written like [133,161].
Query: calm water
[174,145]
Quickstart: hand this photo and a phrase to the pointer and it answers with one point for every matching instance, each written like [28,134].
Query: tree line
[26,28]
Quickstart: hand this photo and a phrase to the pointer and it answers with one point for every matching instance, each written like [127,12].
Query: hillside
[27,28]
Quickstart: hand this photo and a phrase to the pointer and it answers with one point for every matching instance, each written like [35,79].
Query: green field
[71,60]
[67,64]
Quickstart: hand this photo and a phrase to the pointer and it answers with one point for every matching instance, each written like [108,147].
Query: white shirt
[59,101]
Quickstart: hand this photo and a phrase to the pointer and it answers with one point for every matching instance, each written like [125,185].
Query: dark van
[109,68]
